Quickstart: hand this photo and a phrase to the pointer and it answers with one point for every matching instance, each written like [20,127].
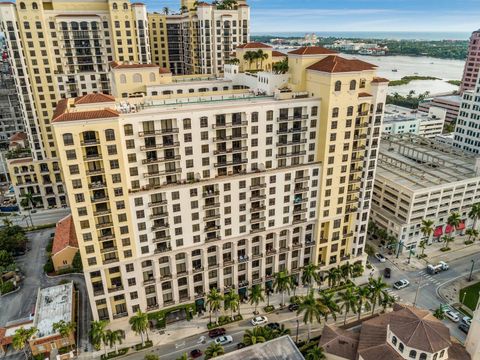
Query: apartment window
[128,129]
[71,154]
[130,144]
[338,85]
[110,135]
[203,122]
[74,169]
[112,149]
[187,124]
[187,137]
[67,139]
[77,184]
[335,112]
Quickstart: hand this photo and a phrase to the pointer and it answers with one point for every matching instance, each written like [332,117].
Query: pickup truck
[435,269]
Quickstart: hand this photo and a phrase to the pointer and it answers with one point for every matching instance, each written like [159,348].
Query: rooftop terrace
[418,163]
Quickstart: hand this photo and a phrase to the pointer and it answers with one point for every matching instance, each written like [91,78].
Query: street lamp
[296,338]
[471,270]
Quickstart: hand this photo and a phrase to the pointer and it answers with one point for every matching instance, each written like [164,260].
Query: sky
[356,15]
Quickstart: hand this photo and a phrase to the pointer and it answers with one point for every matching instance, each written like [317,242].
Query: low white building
[418,179]
[445,139]
[401,120]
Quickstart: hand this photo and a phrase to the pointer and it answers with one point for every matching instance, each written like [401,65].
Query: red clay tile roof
[22,160]
[93,99]
[64,235]
[62,106]
[379,80]
[87,115]
[18,136]
[312,50]
[254,45]
[164,71]
[364,94]
[117,65]
[338,64]
[278,53]
[339,342]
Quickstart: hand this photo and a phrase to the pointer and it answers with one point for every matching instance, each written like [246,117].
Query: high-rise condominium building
[203,183]
[199,39]
[468,123]
[60,50]
[472,65]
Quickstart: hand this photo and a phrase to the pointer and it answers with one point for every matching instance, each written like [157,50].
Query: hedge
[112,354]
[224,320]
[7,287]
[161,315]
[148,343]
[269,309]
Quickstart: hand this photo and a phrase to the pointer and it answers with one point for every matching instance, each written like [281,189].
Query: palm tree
[214,300]
[447,239]
[254,336]
[21,337]
[333,275]
[250,56]
[474,214]
[427,229]
[281,331]
[439,313]
[377,291]
[183,9]
[328,303]
[256,296]
[261,56]
[97,333]
[310,275]
[232,302]
[471,232]
[310,309]
[65,329]
[214,350]
[346,271]
[454,220]
[363,295]
[139,324]
[280,67]
[166,10]
[350,302]
[422,245]
[114,338]
[28,200]
[282,283]
[387,301]
[315,353]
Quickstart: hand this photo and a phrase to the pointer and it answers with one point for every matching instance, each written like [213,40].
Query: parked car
[467,320]
[452,315]
[293,307]
[259,320]
[273,326]
[387,272]
[195,353]
[401,284]
[464,327]
[241,345]
[380,257]
[217,332]
[224,340]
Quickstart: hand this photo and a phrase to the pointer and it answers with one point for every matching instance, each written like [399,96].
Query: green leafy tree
[262,56]
[281,331]
[77,263]
[310,275]
[232,302]
[114,338]
[250,57]
[280,67]
[29,201]
[447,239]
[349,302]
[422,245]
[471,232]
[183,357]
[474,214]
[214,302]
[97,333]
[387,301]
[20,339]
[213,350]
[6,259]
[255,296]
[254,336]
[315,353]
[151,357]
[333,276]
[139,324]
[377,291]
[363,296]
[13,239]
[311,311]
[166,10]
[282,284]
[439,313]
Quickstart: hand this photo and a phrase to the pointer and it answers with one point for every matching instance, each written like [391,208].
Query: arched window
[152,76]
[362,83]
[413,354]
[394,341]
[34,6]
[423,356]
[64,25]
[67,139]
[335,112]
[435,356]
[125,6]
[74,25]
[110,134]
[350,111]
[22,6]
[442,353]
[115,7]
[137,78]
[353,85]
[123,79]
[338,86]
[83,25]
[400,347]
[128,129]
[163,260]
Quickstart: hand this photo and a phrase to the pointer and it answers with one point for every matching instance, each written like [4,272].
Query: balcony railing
[229,124]
[231,150]
[292,130]
[297,153]
[162,159]
[158,132]
[290,118]
[231,163]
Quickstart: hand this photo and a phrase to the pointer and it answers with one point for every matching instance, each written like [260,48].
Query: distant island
[440,49]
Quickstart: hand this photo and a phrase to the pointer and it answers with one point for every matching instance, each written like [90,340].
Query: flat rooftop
[394,113]
[418,163]
[449,98]
[282,348]
[53,305]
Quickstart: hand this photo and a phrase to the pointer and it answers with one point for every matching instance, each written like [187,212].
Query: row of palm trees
[255,56]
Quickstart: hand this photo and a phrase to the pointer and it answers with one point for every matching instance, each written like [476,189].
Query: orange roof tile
[87,115]
[380,80]
[312,50]
[254,45]
[164,71]
[93,99]
[278,53]
[62,106]
[337,64]
[18,136]
[64,235]
[22,160]
[364,94]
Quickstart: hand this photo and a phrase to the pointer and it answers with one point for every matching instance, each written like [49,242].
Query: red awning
[449,229]
[461,226]
[438,231]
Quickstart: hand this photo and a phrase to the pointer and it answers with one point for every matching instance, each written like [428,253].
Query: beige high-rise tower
[472,344]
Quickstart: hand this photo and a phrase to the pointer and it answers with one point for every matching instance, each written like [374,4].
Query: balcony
[231,150]
[299,211]
[290,118]
[162,173]
[257,281]
[213,266]
[257,256]
[231,163]
[207,194]
[211,228]
[159,160]
[160,146]
[257,220]
[296,142]
[301,189]
[258,197]
[162,250]
[257,209]
[94,171]
[271,251]
[99,199]
[257,230]
[149,281]
[302,179]
[160,227]
[197,269]
[229,125]
[116,288]
[158,203]
[211,217]
[92,157]
[90,142]
[162,239]
[104,225]
[210,239]
[292,130]
[284,249]
[158,132]
[297,245]
[299,221]
[97,185]
[108,249]
[230,138]
[297,153]
[158,215]
[110,261]
[211,206]
[258,186]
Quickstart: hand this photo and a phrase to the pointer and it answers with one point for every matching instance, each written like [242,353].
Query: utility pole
[418,290]
[471,270]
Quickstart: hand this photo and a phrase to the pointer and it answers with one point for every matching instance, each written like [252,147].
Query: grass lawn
[471,297]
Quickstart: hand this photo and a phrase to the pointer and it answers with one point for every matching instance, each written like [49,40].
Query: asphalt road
[427,285]
[41,217]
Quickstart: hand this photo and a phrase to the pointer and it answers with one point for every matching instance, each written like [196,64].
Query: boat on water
[394,70]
